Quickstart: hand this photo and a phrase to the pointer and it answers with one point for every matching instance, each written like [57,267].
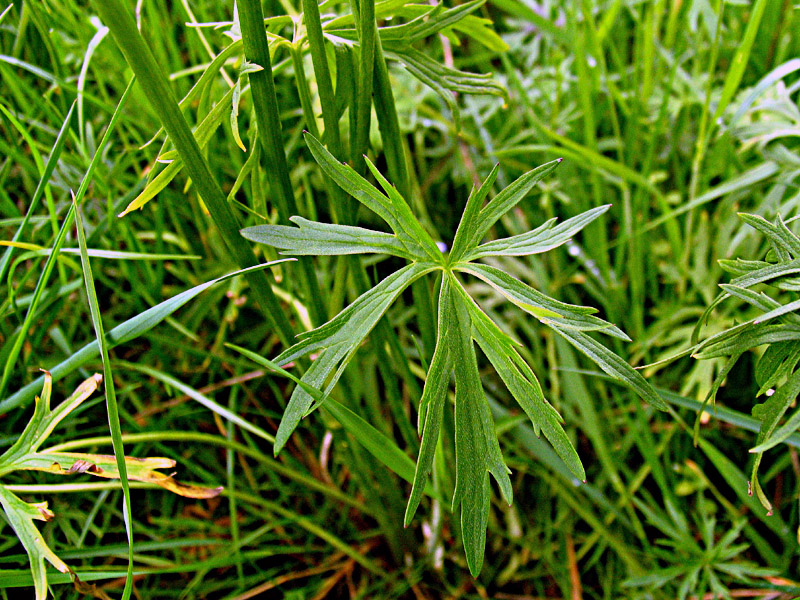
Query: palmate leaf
[777,326]
[397,43]
[24,454]
[339,339]
[460,324]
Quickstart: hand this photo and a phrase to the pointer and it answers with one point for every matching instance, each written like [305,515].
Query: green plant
[680,114]
[776,325]
[699,556]
[25,455]
[460,321]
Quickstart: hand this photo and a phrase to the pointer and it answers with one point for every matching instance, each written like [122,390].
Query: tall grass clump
[347,266]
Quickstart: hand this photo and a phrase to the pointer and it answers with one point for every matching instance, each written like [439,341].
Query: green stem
[365,15]
[341,204]
[262,88]
[389,124]
[304,92]
[701,145]
[316,44]
[149,74]
[394,148]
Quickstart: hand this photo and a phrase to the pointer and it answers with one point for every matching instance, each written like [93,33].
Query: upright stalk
[322,73]
[389,124]
[393,147]
[262,88]
[364,10]
[342,207]
[149,74]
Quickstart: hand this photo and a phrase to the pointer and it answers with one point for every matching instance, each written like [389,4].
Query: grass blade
[111,397]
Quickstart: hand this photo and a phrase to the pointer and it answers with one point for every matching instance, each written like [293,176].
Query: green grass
[176,127]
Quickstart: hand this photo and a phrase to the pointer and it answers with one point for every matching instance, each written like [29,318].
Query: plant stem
[150,76]
[262,88]
[359,140]
[341,204]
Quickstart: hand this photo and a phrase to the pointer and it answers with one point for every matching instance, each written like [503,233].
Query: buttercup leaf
[460,323]
[24,454]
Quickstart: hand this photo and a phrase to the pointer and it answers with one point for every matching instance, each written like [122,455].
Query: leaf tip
[277,447]
[558,160]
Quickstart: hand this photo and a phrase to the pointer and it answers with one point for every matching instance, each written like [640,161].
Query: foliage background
[650,104]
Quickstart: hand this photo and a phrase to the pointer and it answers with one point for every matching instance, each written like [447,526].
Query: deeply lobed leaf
[544,238]
[396,213]
[477,447]
[434,394]
[460,323]
[338,340]
[325,239]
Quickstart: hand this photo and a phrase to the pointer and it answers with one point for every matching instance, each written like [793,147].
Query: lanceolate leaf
[465,233]
[410,223]
[354,323]
[397,216]
[613,365]
[44,421]
[202,135]
[769,414]
[777,233]
[777,326]
[431,406]
[768,274]
[778,362]
[522,383]
[509,198]
[433,21]
[20,516]
[750,338]
[312,238]
[540,306]
[443,80]
[24,454]
[477,448]
[339,339]
[539,240]
[105,466]
[397,43]
[380,446]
